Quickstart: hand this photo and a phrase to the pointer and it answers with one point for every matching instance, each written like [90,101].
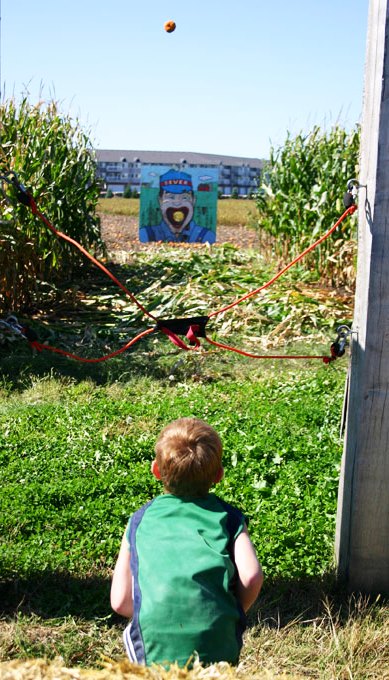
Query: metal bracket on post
[353,187]
[22,195]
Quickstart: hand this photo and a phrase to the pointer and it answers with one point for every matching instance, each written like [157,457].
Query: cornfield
[52,157]
[301,194]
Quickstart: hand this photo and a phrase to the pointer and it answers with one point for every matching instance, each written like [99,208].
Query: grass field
[230,212]
[76,441]
[75,461]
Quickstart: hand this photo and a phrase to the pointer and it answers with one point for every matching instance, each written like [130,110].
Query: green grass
[70,451]
[75,460]
[230,212]
[129,207]
[76,442]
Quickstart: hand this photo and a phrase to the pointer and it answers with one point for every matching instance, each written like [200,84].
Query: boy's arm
[250,576]
[121,587]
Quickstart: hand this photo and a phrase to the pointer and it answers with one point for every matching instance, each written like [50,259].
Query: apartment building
[120,169]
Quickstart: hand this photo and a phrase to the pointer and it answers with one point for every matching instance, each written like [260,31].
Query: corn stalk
[300,197]
[53,158]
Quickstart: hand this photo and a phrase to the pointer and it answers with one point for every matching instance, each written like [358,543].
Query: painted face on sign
[177,209]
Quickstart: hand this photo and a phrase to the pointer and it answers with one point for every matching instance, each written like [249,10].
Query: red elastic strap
[174,338]
[347,212]
[180,343]
[90,257]
[40,347]
[37,345]
[333,357]
[191,335]
[267,356]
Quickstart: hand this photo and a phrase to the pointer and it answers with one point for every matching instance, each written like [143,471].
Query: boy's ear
[219,476]
[155,470]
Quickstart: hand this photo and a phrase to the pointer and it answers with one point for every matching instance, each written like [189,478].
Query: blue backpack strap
[133,638]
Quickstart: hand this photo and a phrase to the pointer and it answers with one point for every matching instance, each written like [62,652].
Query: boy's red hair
[189,457]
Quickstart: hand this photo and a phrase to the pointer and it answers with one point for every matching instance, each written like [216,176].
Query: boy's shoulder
[168,505]
[207,502]
[228,507]
[137,516]
[235,517]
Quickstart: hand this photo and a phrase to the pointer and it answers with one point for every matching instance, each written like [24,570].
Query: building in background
[119,170]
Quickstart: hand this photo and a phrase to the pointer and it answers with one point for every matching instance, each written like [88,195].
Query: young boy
[187,570]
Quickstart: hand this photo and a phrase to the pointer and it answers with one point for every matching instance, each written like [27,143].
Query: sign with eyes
[178,204]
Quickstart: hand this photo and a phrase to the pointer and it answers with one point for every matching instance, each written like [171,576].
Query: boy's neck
[185,497]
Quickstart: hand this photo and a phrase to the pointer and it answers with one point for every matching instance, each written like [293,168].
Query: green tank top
[181,553]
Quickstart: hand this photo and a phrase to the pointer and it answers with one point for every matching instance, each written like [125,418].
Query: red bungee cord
[190,327]
[40,346]
[65,237]
[348,211]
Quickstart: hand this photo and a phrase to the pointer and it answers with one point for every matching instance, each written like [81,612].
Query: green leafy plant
[300,197]
[52,156]
[75,463]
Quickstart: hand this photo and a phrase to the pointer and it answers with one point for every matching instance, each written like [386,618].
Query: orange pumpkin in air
[169,26]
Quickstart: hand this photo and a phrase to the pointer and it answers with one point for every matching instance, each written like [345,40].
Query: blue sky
[233,78]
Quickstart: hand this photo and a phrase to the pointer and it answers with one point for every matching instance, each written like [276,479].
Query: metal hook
[341,341]
[352,184]
[22,195]
[11,179]
[12,325]
[353,187]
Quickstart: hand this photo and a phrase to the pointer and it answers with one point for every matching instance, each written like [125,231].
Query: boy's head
[188,457]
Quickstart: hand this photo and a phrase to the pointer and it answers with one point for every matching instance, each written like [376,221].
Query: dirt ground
[121,233]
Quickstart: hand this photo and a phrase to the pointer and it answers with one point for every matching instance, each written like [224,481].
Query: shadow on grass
[86,317]
[55,595]
[286,600]
[16,366]
[21,366]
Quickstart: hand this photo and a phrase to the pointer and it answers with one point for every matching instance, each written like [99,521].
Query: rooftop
[173,157]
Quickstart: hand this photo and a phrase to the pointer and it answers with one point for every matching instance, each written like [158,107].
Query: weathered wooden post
[362,535]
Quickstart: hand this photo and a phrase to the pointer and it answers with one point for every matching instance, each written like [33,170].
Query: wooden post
[362,533]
